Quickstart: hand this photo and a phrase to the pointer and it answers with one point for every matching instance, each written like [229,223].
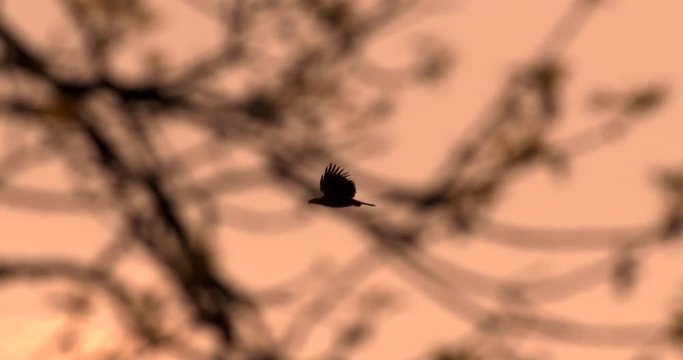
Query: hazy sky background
[626,44]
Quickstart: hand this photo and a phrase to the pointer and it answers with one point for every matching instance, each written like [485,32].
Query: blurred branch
[44,270]
[340,285]
[558,239]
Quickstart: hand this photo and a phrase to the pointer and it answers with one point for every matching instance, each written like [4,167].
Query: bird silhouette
[337,188]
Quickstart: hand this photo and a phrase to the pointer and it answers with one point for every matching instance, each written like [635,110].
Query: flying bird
[337,188]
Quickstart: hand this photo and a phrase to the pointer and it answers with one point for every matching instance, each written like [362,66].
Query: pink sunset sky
[625,44]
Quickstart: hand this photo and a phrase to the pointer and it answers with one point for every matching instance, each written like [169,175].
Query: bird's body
[337,188]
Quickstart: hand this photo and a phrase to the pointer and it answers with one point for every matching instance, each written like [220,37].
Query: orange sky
[626,44]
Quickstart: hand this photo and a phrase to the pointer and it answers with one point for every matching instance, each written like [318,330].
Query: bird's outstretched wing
[336,183]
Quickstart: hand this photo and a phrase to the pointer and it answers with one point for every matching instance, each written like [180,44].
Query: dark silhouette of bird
[338,189]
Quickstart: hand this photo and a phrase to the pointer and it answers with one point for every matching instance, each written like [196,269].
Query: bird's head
[318,201]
